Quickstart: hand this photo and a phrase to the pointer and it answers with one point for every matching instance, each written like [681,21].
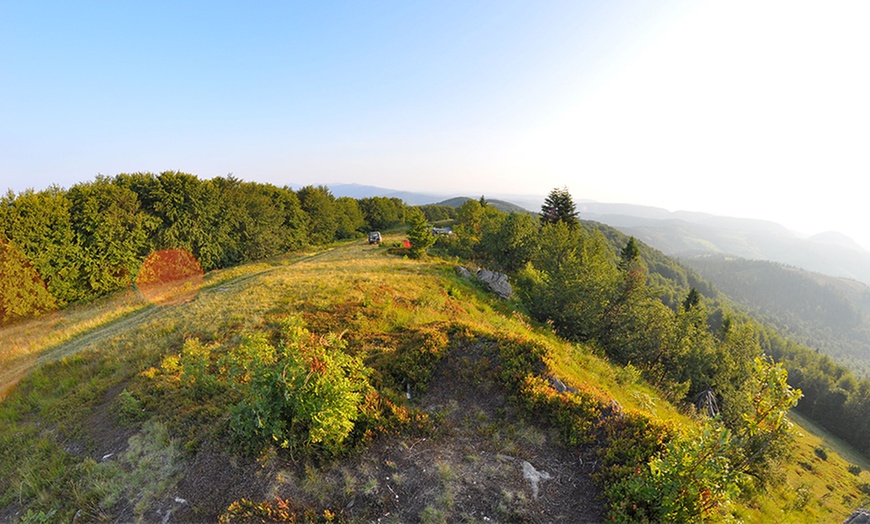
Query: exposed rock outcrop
[495,282]
[462,272]
[860,516]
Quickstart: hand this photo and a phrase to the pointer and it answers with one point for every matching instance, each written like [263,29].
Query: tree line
[59,246]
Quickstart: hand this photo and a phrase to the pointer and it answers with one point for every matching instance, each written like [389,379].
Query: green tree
[319,203]
[559,207]
[507,242]
[629,255]
[420,233]
[571,280]
[112,232]
[189,212]
[22,291]
[349,218]
[382,213]
[436,213]
[765,434]
[38,225]
[293,231]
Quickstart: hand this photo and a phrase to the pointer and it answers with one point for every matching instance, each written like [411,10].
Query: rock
[560,386]
[462,272]
[860,516]
[534,477]
[496,282]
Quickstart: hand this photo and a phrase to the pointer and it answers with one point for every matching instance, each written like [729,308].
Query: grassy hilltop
[347,385]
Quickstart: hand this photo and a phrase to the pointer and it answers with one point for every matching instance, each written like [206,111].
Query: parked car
[375,237]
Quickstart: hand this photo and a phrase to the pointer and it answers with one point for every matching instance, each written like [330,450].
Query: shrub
[855,469]
[575,415]
[417,355]
[305,395]
[129,408]
[690,479]
[279,511]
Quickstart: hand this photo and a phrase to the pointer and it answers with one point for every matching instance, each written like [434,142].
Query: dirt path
[15,369]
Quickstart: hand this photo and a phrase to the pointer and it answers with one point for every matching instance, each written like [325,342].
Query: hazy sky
[742,108]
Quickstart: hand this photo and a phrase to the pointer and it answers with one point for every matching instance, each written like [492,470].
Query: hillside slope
[823,312]
[687,234]
[129,410]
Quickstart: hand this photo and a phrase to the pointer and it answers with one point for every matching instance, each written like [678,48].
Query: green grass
[835,444]
[98,362]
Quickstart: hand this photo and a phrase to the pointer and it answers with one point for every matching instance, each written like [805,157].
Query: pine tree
[420,234]
[559,207]
[630,254]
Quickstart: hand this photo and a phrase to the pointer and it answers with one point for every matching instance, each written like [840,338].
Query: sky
[756,109]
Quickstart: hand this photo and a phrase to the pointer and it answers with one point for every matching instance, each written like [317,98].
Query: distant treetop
[559,207]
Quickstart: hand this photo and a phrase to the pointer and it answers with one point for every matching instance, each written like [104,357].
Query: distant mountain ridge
[684,234]
[522,202]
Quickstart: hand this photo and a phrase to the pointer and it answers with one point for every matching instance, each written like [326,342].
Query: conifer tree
[559,207]
[420,234]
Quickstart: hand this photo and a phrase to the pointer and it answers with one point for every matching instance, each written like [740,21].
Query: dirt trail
[15,369]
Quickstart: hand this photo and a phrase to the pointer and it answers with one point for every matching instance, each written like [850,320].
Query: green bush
[304,395]
[417,355]
[129,408]
[575,415]
[689,479]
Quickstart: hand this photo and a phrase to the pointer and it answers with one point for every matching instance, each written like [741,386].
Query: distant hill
[685,234]
[501,205]
[824,312]
[363,191]
[519,203]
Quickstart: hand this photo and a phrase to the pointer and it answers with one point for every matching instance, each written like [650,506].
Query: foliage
[416,356]
[286,511]
[436,213]
[319,203]
[507,242]
[39,226]
[420,233]
[349,218]
[306,393]
[112,232]
[559,207]
[574,414]
[570,281]
[690,479]
[22,291]
[765,433]
[382,213]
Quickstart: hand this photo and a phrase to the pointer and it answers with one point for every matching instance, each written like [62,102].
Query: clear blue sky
[742,108]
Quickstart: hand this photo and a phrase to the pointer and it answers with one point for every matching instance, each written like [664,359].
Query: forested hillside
[684,414]
[827,313]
